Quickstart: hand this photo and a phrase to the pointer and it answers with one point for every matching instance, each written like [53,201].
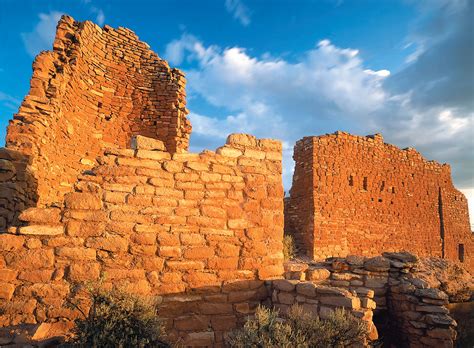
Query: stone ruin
[96,183]
[359,195]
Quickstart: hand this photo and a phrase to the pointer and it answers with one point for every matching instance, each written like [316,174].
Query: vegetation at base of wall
[118,319]
[289,249]
[299,329]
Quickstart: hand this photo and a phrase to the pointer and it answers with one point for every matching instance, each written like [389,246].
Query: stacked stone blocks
[359,195]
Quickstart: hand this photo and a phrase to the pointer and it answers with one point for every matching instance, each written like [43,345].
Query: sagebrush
[299,329]
[118,319]
[289,249]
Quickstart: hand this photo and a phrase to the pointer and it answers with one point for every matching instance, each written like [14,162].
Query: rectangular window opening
[365,183]
[351,180]
[461,252]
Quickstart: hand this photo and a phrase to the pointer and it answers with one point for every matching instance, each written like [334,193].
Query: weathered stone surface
[318,274]
[377,264]
[306,289]
[140,142]
[41,215]
[6,291]
[10,242]
[41,230]
[347,211]
[435,294]
[284,285]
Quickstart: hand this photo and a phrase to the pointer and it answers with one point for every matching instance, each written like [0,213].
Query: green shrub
[117,319]
[289,249]
[298,329]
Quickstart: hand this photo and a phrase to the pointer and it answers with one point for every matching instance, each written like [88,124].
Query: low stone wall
[419,316]
[321,300]
[406,306]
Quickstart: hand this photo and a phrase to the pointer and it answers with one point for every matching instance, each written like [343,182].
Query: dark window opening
[365,183]
[99,105]
[455,198]
[417,205]
[380,200]
[391,202]
[382,186]
[393,189]
[461,252]
[351,180]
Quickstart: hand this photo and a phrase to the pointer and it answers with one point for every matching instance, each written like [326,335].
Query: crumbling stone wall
[17,186]
[95,89]
[321,300]
[408,310]
[358,195]
[203,231]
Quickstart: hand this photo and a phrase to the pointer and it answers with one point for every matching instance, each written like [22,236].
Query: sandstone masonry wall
[95,89]
[321,300]
[203,231]
[17,186]
[358,195]
[409,311]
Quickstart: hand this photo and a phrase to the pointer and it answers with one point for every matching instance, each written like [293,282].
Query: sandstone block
[153,155]
[377,264]
[215,308]
[306,289]
[286,298]
[76,253]
[348,302]
[269,272]
[192,323]
[139,142]
[30,259]
[36,276]
[9,242]
[317,274]
[241,139]
[284,284]
[432,309]
[79,272]
[7,275]
[200,339]
[41,215]
[110,243]
[368,303]
[82,201]
[229,152]
[41,230]
[6,291]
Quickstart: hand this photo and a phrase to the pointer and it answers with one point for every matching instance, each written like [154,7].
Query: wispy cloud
[238,9]
[42,36]
[100,16]
[9,101]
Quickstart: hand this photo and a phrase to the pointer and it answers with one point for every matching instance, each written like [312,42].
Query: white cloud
[188,45]
[326,89]
[9,101]
[272,97]
[100,16]
[239,11]
[42,36]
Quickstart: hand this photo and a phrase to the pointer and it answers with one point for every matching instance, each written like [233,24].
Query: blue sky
[287,69]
